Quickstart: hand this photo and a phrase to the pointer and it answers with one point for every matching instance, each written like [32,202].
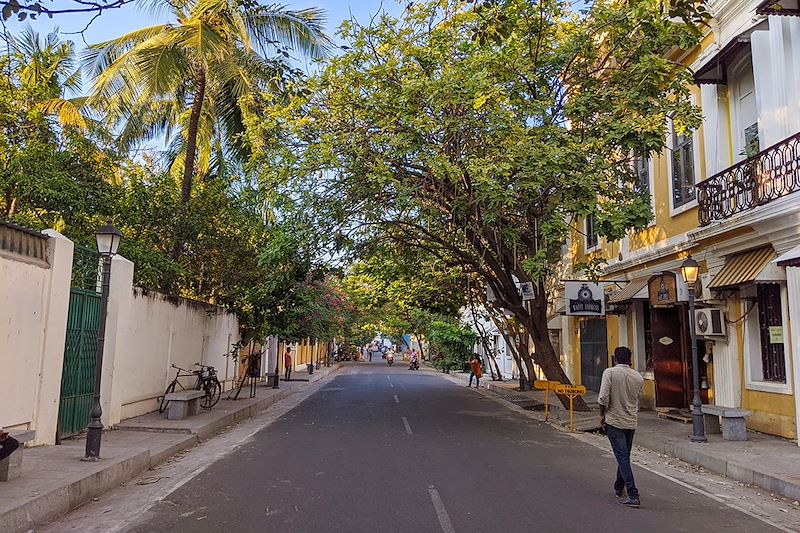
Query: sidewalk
[769,462]
[54,480]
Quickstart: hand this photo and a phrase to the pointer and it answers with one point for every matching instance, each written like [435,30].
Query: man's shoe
[630,502]
[619,493]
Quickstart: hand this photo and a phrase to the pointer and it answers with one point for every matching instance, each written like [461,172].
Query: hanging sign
[526,291]
[585,298]
[662,289]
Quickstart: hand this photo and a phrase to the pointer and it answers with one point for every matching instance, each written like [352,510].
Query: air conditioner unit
[702,292]
[710,322]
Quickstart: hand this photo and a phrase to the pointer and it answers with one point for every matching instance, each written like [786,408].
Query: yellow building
[729,195]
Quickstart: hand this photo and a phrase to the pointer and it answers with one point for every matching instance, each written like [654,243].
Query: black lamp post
[690,270]
[277,360]
[108,238]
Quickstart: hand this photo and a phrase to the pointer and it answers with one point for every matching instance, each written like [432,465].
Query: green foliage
[482,134]
[451,344]
[51,175]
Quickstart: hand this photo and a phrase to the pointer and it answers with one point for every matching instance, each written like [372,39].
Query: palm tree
[187,80]
[47,69]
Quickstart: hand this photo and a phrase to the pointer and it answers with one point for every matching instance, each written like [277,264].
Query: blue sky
[119,21]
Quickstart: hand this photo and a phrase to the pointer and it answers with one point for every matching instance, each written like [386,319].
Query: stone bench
[733,423]
[11,466]
[183,404]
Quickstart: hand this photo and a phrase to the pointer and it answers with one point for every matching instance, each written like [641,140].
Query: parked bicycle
[206,381]
[252,365]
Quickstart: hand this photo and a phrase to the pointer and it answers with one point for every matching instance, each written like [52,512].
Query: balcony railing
[770,174]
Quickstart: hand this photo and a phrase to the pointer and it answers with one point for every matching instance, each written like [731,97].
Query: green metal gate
[80,353]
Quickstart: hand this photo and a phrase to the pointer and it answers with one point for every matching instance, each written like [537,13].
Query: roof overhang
[634,290]
[786,8]
[714,71]
[790,258]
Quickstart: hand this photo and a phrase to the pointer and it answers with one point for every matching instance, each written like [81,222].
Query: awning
[790,258]
[629,291]
[714,71]
[743,268]
[788,8]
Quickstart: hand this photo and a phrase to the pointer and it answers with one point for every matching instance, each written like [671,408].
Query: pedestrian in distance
[287,364]
[7,444]
[620,389]
[475,371]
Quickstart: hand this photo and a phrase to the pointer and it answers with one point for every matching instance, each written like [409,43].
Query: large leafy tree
[52,173]
[483,133]
[186,80]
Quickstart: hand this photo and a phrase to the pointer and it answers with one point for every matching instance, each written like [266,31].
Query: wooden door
[669,360]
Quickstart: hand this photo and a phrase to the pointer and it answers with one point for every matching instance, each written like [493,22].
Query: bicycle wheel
[213,390]
[163,402]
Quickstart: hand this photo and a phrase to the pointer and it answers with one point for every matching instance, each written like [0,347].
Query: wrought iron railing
[23,242]
[770,174]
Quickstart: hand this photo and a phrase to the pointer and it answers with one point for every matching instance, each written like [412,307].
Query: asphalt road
[380,449]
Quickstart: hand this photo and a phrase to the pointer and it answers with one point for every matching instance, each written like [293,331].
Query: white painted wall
[34,299]
[146,332]
[159,331]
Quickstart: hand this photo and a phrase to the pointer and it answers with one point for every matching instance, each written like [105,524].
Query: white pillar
[793,330]
[56,307]
[760,47]
[791,32]
[120,296]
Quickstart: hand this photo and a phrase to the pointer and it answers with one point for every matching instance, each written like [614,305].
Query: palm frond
[301,30]
[67,111]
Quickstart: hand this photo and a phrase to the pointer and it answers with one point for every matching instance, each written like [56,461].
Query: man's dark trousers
[7,447]
[622,443]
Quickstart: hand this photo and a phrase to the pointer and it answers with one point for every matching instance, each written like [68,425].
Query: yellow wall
[772,413]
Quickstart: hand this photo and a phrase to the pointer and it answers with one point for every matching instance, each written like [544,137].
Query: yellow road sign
[541,384]
[571,392]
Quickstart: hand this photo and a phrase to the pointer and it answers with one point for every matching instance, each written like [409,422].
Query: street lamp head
[690,269]
[108,238]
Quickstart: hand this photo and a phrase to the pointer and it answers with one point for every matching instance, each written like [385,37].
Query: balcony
[770,174]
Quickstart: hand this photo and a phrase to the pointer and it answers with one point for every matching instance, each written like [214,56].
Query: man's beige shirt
[619,393]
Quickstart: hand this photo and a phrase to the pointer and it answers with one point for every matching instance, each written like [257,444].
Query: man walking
[620,389]
[287,364]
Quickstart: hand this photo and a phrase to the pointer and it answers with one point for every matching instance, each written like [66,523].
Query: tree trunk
[191,135]
[188,167]
[484,341]
[419,342]
[533,318]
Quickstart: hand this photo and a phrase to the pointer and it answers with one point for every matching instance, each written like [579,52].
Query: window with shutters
[770,326]
[683,169]
[641,167]
[592,237]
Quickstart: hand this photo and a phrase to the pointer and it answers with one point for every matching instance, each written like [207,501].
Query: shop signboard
[585,298]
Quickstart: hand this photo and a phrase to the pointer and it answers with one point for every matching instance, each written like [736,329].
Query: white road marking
[396,399]
[693,489]
[391,385]
[441,512]
[408,426]
[717,499]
